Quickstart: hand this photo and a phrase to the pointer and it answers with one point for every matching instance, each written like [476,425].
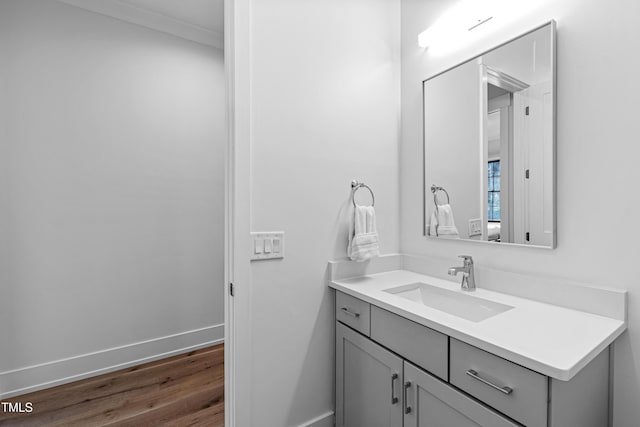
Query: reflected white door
[533,166]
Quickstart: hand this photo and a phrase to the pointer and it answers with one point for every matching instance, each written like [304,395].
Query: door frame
[237,357]
[513,86]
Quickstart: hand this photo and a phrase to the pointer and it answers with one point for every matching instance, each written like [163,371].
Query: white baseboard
[324,420]
[50,374]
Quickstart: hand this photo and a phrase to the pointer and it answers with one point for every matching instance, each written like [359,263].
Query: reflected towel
[443,224]
[363,235]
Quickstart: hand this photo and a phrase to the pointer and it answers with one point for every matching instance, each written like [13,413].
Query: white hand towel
[443,224]
[433,224]
[363,236]
[371,220]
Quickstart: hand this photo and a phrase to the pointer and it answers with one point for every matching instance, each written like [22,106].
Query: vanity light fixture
[453,28]
[426,38]
[456,24]
[478,23]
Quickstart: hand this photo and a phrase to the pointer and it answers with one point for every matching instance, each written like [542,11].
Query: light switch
[475,227]
[267,245]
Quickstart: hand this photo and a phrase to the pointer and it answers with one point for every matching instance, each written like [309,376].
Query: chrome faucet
[468,279]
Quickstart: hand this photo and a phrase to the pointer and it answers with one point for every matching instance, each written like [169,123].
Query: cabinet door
[368,382]
[433,403]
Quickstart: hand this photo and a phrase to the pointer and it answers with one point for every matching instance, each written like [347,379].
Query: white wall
[597,95]
[111,193]
[453,158]
[324,104]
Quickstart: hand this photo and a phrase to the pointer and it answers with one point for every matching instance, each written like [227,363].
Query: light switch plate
[271,244]
[475,227]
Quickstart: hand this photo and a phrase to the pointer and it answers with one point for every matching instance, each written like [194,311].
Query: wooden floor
[184,390]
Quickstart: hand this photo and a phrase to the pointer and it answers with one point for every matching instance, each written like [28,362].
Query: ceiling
[206,14]
[201,21]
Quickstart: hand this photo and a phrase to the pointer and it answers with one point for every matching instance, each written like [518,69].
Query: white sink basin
[458,303]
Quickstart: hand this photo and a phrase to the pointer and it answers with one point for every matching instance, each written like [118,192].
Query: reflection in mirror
[489,145]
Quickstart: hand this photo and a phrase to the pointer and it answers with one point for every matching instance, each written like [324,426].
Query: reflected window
[494,191]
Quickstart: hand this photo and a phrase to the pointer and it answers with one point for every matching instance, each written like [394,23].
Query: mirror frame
[426,189]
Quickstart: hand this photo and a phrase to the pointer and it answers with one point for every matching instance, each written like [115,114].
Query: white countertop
[552,340]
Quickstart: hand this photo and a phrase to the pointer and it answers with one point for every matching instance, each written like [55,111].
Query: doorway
[112,196]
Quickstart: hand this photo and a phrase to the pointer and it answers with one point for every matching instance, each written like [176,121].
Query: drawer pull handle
[394,398]
[407,408]
[473,374]
[350,313]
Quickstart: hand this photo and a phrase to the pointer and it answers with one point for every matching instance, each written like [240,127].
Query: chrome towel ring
[434,190]
[355,186]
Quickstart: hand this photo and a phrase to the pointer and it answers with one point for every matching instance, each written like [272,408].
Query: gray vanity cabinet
[432,403]
[393,372]
[376,388]
[369,382]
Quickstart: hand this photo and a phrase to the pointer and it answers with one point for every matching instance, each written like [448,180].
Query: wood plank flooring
[184,390]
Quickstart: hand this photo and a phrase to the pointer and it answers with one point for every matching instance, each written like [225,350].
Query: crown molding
[150,19]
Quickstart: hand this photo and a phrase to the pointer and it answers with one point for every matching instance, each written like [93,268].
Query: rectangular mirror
[489,145]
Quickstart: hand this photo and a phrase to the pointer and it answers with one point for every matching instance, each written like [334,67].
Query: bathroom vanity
[415,350]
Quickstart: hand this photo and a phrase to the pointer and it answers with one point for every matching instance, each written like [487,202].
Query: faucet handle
[467,258]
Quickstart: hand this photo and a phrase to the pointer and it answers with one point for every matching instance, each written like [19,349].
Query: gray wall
[111,193]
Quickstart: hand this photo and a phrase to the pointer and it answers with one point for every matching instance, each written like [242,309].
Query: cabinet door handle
[407,408]
[350,313]
[473,374]
[394,398]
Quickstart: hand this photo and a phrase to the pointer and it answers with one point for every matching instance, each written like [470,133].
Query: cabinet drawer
[513,390]
[432,402]
[353,312]
[423,346]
